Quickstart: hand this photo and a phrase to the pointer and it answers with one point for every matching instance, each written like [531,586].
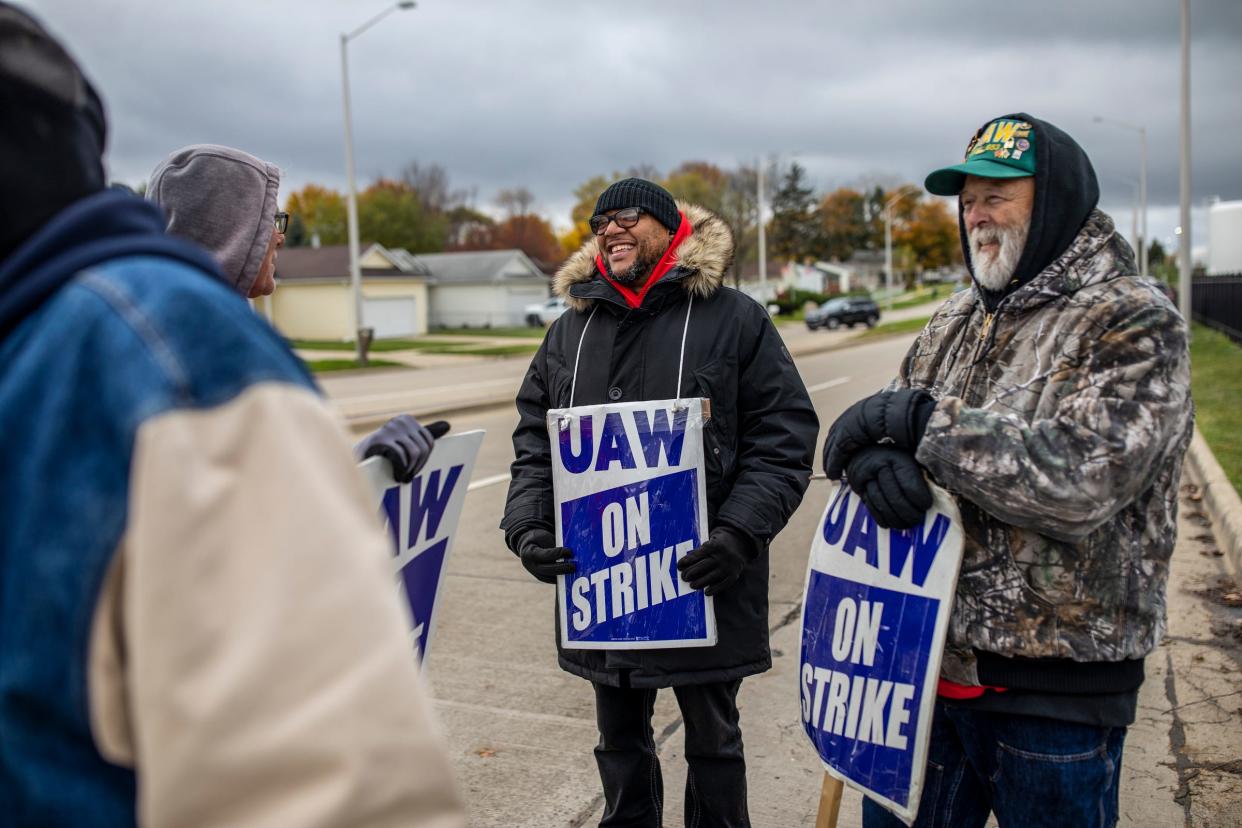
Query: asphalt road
[520,729]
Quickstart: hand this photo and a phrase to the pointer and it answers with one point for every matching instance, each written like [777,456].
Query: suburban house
[482,289]
[864,270]
[402,294]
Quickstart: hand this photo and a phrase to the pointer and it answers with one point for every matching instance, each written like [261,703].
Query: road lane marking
[832,383]
[488,481]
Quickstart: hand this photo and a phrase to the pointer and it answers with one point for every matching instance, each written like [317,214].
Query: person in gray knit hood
[1053,401]
[224,200]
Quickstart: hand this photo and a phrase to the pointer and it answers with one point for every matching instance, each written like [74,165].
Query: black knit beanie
[51,146]
[638,192]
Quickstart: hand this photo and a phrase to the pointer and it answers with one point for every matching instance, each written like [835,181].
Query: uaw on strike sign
[422,518]
[630,503]
[875,614]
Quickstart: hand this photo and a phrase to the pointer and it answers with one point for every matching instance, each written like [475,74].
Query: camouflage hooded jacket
[1061,426]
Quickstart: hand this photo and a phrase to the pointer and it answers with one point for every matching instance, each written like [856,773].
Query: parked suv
[543,314]
[847,311]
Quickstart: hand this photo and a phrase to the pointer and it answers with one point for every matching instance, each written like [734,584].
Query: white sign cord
[574,385]
[681,360]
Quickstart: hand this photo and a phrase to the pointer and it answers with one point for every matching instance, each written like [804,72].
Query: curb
[432,412]
[1220,499]
[849,342]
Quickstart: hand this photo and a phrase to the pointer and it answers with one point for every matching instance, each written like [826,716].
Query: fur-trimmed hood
[703,258]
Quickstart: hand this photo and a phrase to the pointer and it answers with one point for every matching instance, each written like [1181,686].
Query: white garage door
[391,317]
[519,298]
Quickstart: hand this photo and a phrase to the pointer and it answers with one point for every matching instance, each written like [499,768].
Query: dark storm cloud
[547,94]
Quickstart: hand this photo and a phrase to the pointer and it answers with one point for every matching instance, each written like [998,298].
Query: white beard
[994,270]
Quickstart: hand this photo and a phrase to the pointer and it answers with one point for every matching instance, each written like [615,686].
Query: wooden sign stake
[829,802]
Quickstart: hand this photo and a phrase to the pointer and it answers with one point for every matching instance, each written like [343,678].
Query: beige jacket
[250,655]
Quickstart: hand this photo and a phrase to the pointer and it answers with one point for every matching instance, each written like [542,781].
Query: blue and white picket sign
[874,617]
[631,501]
[422,518]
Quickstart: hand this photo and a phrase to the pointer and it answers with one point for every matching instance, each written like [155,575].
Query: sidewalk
[1183,756]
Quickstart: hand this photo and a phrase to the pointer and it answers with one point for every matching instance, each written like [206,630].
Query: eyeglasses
[282,222]
[624,218]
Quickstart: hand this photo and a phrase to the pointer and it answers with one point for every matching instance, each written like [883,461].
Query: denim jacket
[157,637]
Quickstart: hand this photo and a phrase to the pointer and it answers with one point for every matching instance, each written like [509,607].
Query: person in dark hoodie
[224,200]
[197,618]
[1053,401]
[648,309]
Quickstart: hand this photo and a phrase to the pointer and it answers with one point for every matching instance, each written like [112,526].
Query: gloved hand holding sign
[890,481]
[889,418]
[404,442]
[542,557]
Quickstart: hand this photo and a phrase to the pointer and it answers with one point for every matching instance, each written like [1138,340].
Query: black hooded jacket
[758,444]
[1066,191]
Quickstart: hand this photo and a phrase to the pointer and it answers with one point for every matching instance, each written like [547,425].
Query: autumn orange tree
[318,210]
[845,225]
[925,231]
[585,194]
[931,234]
[532,235]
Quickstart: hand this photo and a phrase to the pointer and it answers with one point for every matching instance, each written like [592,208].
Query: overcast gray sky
[506,93]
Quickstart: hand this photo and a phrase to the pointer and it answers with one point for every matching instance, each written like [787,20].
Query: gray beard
[995,272]
[638,272]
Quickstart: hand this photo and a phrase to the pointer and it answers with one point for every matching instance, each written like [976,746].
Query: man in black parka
[652,266]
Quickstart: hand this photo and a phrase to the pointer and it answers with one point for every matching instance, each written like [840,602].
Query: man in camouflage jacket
[1053,400]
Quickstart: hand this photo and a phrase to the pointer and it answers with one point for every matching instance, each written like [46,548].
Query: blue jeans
[1033,772]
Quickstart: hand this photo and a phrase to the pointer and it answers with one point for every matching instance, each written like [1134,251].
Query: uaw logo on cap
[1003,139]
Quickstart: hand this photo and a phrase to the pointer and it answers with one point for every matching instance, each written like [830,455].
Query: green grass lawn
[494,350]
[334,345]
[523,332]
[888,328]
[321,366]
[426,346]
[936,293]
[1216,381]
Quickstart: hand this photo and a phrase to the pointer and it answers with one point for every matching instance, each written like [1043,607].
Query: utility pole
[888,246]
[1144,241]
[763,240]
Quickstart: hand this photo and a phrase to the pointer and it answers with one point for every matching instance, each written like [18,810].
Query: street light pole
[351,195]
[1141,238]
[351,208]
[1183,250]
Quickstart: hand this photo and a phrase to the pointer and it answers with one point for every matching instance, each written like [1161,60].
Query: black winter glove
[891,484]
[715,565]
[404,442]
[889,418]
[542,557]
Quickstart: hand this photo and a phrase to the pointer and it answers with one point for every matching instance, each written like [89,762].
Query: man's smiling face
[630,253]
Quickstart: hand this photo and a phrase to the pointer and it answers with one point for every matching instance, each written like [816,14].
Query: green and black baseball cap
[1004,148]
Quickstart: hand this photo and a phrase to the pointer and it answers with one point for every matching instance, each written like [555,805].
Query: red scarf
[952,690]
[667,262]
